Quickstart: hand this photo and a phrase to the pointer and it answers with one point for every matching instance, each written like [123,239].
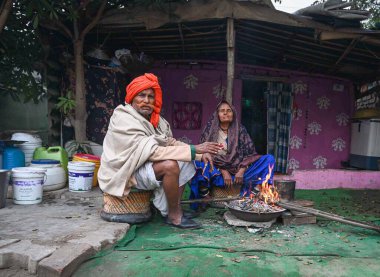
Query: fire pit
[258,207]
[247,210]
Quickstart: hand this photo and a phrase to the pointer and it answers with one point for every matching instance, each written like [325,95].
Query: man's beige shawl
[128,144]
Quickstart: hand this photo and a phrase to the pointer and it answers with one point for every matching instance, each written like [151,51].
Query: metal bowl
[253,216]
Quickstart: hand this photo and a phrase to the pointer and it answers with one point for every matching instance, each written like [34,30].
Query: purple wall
[320,134]
[204,88]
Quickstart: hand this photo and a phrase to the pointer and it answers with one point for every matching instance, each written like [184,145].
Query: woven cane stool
[133,208]
[224,192]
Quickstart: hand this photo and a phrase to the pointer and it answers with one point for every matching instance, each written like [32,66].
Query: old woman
[237,163]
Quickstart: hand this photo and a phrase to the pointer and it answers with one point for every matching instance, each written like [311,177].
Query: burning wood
[262,202]
[256,206]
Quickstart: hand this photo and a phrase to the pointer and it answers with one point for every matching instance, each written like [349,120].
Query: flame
[268,192]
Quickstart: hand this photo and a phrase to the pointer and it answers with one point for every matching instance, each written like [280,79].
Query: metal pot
[253,216]
[285,189]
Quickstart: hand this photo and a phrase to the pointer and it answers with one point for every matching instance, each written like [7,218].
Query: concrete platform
[53,238]
[317,179]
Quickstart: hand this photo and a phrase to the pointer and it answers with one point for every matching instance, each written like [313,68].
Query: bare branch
[56,25]
[76,29]
[64,29]
[95,20]
[83,5]
[5,9]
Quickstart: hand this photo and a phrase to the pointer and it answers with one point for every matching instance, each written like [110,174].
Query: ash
[255,205]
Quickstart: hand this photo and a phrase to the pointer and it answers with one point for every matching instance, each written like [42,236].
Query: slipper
[186,223]
[190,214]
[187,214]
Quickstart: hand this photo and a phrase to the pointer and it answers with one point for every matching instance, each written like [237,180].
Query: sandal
[186,223]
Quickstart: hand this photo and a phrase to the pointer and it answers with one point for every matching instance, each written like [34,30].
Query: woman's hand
[226,177]
[239,176]
[208,147]
[206,158]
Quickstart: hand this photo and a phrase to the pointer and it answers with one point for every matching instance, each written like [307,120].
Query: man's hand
[208,147]
[226,177]
[239,176]
[206,158]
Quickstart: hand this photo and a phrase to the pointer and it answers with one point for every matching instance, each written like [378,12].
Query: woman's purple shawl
[240,148]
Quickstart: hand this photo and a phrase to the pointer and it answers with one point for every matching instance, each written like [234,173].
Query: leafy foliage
[72,147]
[20,55]
[66,104]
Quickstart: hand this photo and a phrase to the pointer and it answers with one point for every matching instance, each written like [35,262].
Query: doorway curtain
[279,108]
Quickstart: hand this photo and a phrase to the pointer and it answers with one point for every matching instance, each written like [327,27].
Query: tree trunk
[5,9]
[80,93]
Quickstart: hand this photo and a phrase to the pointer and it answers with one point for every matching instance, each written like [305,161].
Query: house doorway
[254,112]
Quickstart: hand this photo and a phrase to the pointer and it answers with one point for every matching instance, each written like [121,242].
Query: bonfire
[264,201]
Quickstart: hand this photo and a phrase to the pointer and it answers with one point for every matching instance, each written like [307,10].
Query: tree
[75,19]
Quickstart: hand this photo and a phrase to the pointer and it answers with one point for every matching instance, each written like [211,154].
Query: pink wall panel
[320,132]
[203,87]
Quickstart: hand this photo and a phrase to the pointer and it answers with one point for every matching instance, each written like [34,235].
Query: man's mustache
[147,105]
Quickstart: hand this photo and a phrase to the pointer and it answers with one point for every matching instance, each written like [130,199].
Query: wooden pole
[230,58]
[331,216]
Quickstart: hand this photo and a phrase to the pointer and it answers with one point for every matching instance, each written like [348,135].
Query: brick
[105,236]
[298,218]
[24,254]
[5,242]
[65,260]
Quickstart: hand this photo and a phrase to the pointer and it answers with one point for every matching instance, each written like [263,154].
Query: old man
[139,151]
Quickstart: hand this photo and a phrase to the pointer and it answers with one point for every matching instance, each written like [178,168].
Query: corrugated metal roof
[264,37]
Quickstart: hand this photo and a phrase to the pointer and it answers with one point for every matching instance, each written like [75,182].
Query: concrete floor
[53,238]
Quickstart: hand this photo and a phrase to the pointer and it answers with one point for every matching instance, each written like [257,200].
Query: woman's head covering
[240,148]
[146,81]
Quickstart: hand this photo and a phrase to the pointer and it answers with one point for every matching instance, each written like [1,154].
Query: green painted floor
[324,249]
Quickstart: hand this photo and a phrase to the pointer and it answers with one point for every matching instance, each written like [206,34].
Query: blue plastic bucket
[13,157]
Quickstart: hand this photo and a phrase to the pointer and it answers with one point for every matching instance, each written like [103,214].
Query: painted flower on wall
[323,103]
[297,114]
[295,142]
[190,82]
[314,128]
[299,87]
[293,164]
[338,144]
[319,162]
[219,91]
[342,119]
[185,139]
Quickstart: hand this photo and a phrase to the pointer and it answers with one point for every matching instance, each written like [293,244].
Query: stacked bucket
[31,143]
[83,172]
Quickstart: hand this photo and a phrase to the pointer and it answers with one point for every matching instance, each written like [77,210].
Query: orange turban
[146,81]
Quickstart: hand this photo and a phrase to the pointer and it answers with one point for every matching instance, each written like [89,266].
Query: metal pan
[252,216]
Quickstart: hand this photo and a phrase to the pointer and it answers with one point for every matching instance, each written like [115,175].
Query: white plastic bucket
[27,183]
[80,176]
[55,175]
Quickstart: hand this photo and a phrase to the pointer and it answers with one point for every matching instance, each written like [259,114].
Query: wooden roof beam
[182,39]
[344,54]
[280,57]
